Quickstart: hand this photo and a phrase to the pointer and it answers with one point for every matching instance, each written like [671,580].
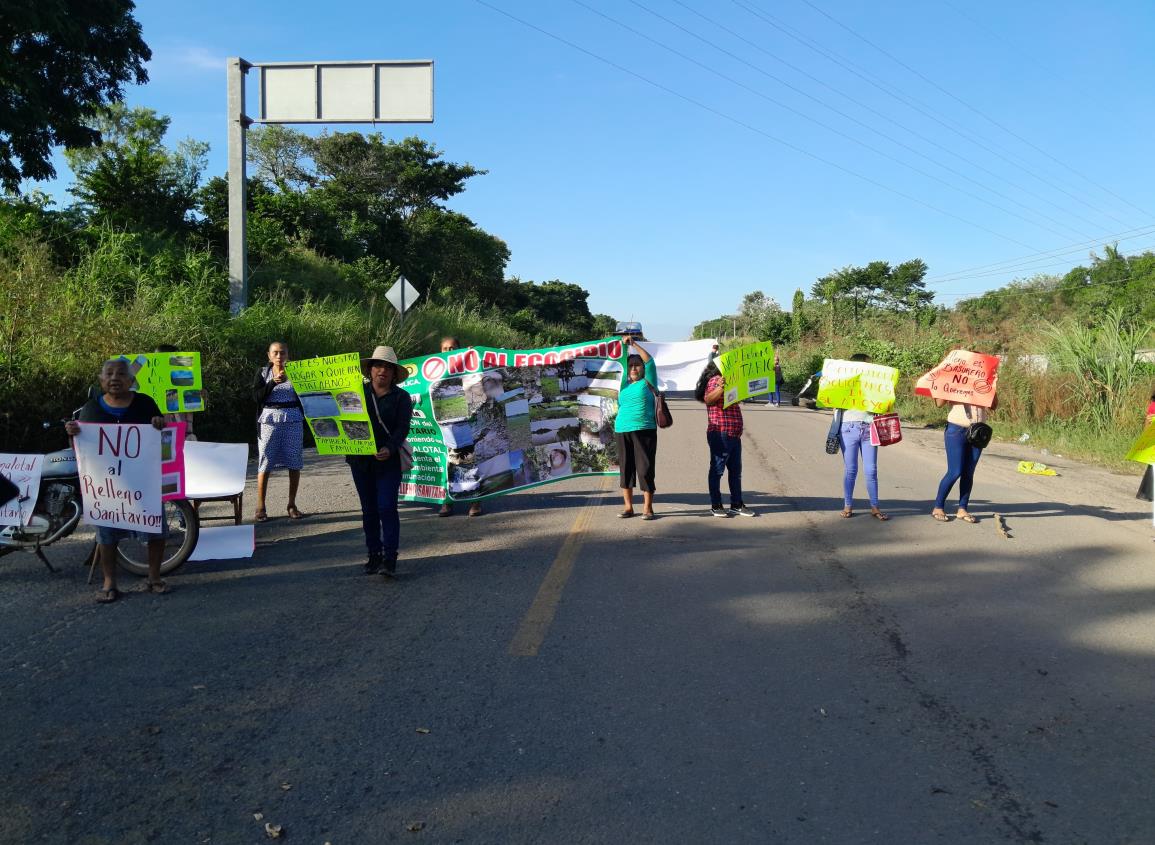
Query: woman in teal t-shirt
[636,430]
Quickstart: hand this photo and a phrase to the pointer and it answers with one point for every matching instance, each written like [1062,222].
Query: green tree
[60,61]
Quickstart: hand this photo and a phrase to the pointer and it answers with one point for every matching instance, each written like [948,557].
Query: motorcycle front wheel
[183,530]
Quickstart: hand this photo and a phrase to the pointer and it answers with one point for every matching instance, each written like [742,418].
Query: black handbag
[979,433]
[833,440]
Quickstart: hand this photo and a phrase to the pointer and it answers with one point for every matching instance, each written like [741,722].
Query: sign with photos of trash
[332,394]
[747,371]
[857,386]
[490,421]
[172,379]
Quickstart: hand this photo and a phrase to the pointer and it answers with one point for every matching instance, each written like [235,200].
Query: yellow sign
[1143,450]
[748,371]
[857,386]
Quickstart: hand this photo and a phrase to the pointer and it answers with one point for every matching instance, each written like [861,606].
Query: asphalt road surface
[548,673]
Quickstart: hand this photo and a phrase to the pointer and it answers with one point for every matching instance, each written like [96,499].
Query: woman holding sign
[854,440]
[378,477]
[282,428]
[636,428]
[961,457]
[119,404]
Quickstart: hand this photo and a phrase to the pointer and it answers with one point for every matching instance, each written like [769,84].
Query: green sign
[332,393]
[748,371]
[489,421]
[172,379]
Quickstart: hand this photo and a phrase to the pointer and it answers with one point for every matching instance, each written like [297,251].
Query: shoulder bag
[833,440]
[661,410]
[978,433]
[406,451]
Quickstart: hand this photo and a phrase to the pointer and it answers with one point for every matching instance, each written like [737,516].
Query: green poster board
[490,421]
[857,386]
[332,394]
[748,371]
[172,379]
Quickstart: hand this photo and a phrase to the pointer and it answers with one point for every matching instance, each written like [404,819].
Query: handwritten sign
[963,376]
[747,371]
[120,475]
[23,471]
[1143,450]
[857,386]
[172,379]
[332,393]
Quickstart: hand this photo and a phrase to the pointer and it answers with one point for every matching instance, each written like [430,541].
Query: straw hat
[386,355]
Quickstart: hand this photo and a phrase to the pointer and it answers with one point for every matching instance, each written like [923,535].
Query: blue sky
[671,180]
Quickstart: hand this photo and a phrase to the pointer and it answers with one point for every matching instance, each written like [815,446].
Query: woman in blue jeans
[378,477]
[854,439]
[961,458]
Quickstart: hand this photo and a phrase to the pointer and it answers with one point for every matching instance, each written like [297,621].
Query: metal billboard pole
[238,213]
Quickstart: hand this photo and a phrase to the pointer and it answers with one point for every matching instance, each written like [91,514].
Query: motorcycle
[58,510]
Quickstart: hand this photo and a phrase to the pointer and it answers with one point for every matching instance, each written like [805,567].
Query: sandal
[157,587]
[648,516]
[940,517]
[107,596]
[475,509]
[879,515]
[966,517]
[625,514]
[260,515]
[847,513]
[446,510]
[293,513]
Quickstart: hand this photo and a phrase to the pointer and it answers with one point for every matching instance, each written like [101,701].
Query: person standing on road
[1147,483]
[724,437]
[636,428]
[776,396]
[118,404]
[282,428]
[961,457]
[448,344]
[378,477]
[854,440]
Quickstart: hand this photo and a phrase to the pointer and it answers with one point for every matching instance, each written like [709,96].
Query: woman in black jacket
[378,477]
[281,422]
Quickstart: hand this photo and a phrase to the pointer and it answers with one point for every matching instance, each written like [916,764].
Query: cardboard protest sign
[963,376]
[172,379]
[490,421]
[1143,449]
[120,475]
[748,371]
[679,364]
[857,386]
[23,471]
[332,393]
[172,461]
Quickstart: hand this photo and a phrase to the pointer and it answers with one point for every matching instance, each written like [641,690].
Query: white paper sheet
[679,364]
[225,542]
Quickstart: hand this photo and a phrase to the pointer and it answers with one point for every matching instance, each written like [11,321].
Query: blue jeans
[776,395]
[377,486]
[725,457]
[855,439]
[961,460]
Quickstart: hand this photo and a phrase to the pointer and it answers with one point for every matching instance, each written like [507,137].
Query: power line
[972,108]
[924,110]
[750,127]
[1033,270]
[816,121]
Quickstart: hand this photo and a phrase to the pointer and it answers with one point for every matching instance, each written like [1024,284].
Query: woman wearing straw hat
[378,477]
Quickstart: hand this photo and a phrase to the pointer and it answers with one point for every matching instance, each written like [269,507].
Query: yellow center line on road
[535,624]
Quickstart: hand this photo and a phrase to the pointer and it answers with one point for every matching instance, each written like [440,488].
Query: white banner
[679,364]
[120,475]
[23,471]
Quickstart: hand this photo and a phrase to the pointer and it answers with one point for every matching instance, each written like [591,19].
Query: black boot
[389,562]
[374,564]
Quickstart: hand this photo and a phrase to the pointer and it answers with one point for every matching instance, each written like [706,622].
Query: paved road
[550,674]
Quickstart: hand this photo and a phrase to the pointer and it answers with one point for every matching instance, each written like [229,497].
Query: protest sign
[963,376]
[857,386]
[172,379]
[120,475]
[172,461]
[332,393]
[23,471]
[748,371]
[1142,450]
[679,364]
[488,421]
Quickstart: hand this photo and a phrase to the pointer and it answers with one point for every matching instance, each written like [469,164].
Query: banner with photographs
[332,394]
[172,379]
[489,421]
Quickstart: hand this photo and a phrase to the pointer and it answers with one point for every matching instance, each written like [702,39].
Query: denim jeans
[961,460]
[725,456]
[377,487]
[855,439]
